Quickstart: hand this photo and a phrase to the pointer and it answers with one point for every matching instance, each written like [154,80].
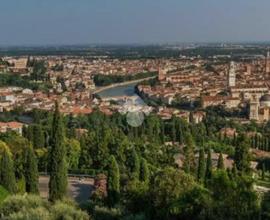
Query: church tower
[267,63]
[254,108]
[231,75]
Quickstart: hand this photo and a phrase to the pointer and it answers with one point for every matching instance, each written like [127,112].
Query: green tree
[135,164]
[168,186]
[38,137]
[173,125]
[193,204]
[144,174]
[201,166]
[32,207]
[73,153]
[263,171]
[7,175]
[113,182]
[220,164]
[208,172]
[233,198]
[137,197]
[241,156]
[85,160]
[31,171]
[189,162]
[58,167]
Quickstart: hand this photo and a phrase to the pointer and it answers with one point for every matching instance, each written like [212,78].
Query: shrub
[3,193]
[32,207]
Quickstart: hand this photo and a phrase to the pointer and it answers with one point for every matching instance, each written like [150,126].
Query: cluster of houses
[241,84]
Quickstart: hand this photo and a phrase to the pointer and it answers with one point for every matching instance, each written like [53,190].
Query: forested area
[143,179]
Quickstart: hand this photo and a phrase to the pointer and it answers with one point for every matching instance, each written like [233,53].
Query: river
[127,90]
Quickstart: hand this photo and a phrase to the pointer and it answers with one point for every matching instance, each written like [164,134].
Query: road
[79,190]
[100,89]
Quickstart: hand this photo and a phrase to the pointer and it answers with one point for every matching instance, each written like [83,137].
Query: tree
[220,164]
[208,172]
[7,175]
[241,156]
[189,162]
[201,166]
[32,207]
[173,128]
[39,70]
[135,164]
[113,182]
[233,198]
[263,171]
[58,167]
[85,160]
[168,186]
[73,153]
[193,204]
[38,137]
[144,174]
[31,172]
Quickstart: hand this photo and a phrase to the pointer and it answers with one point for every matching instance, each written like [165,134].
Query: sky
[69,22]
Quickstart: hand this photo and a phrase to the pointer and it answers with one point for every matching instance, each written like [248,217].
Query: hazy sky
[132,21]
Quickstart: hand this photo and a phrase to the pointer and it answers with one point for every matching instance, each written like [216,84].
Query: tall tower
[249,69]
[161,74]
[267,63]
[231,75]
[254,108]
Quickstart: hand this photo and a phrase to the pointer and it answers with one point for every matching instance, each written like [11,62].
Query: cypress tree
[38,137]
[144,174]
[181,138]
[234,170]
[135,164]
[31,172]
[7,175]
[241,156]
[208,172]
[28,133]
[256,141]
[113,184]
[220,164]
[58,167]
[189,162]
[173,128]
[263,171]
[201,166]
[24,131]
[162,132]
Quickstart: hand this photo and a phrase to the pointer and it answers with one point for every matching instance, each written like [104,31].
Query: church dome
[265,100]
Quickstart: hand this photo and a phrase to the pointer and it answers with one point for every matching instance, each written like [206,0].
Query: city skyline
[128,22]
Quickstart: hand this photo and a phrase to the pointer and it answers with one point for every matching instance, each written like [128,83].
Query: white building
[231,75]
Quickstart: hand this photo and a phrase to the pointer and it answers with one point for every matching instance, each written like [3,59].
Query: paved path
[78,189]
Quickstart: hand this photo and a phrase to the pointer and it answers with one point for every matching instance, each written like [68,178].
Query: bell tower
[267,63]
[254,108]
[231,75]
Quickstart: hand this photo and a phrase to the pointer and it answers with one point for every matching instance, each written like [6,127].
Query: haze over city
[32,22]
